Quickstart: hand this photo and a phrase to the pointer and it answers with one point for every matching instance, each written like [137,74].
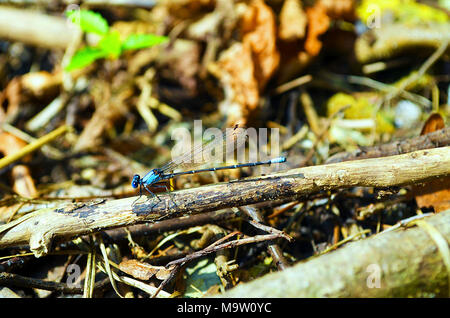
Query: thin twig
[428,63]
[438,138]
[214,248]
[388,89]
[172,224]
[34,146]
[273,248]
[15,280]
[292,84]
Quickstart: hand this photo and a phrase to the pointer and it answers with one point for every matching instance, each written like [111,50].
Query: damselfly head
[136,181]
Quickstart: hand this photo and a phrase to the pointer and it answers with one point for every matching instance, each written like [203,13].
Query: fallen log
[413,262]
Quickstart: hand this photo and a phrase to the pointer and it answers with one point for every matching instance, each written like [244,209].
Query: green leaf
[85,57]
[89,21]
[111,44]
[140,41]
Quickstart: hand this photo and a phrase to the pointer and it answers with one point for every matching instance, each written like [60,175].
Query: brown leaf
[436,193]
[41,83]
[180,63]
[292,21]
[433,123]
[245,68]
[239,78]
[23,183]
[258,26]
[318,23]
[143,271]
[28,86]
[11,96]
[340,9]
[110,107]
[187,9]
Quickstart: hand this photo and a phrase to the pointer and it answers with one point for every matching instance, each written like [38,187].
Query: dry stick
[40,29]
[40,228]
[217,247]
[14,263]
[125,3]
[33,146]
[174,268]
[364,212]
[388,88]
[438,138]
[384,65]
[15,280]
[172,224]
[292,84]
[173,271]
[310,112]
[273,249]
[428,63]
[212,245]
[392,39]
[48,150]
[270,230]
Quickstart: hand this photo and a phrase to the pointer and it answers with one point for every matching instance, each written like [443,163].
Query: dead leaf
[433,194]
[258,26]
[318,23]
[237,75]
[292,21]
[144,271]
[433,123]
[340,9]
[297,55]
[110,106]
[187,9]
[245,68]
[11,96]
[23,183]
[21,89]
[41,83]
[180,63]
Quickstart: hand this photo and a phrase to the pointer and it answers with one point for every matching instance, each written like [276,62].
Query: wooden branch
[393,39]
[438,138]
[91,3]
[15,280]
[213,217]
[400,263]
[40,228]
[32,27]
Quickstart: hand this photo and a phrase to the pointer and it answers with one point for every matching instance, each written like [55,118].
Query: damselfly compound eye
[135,182]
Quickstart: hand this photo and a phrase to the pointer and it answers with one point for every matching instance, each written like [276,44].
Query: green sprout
[110,45]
